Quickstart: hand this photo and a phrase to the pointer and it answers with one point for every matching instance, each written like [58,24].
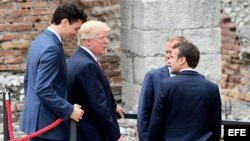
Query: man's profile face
[71,30]
[99,43]
[168,50]
[174,61]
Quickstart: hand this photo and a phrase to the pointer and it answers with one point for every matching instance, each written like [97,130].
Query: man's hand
[77,113]
[119,110]
[121,138]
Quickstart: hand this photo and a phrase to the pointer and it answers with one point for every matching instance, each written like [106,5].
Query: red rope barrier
[41,131]
[35,134]
[9,116]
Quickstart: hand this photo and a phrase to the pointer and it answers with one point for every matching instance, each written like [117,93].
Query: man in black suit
[150,89]
[188,107]
[89,87]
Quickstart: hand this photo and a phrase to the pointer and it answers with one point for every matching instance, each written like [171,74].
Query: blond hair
[89,29]
[179,39]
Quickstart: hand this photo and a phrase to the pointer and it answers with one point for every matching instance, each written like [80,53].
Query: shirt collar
[90,53]
[189,69]
[57,35]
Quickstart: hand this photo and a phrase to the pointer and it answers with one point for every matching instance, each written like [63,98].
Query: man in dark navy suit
[188,107]
[150,88]
[89,87]
[45,78]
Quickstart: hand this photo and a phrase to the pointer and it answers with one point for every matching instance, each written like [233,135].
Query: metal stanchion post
[228,108]
[5,119]
[72,130]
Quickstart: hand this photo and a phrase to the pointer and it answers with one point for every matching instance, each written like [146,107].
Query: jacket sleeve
[98,101]
[47,75]
[157,118]
[145,106]
[216,116]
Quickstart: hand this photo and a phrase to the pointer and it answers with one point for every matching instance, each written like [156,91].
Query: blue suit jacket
[89,87]
[45,87]
[150,88]
[188,108]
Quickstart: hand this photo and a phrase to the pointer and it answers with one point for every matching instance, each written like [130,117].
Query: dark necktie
[99,63]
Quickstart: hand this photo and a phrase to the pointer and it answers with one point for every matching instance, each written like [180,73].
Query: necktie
[99,63]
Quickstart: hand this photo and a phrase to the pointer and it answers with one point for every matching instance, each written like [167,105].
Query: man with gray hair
[89,87]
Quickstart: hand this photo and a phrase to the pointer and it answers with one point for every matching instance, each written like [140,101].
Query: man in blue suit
[188,107]
[150,88]
[89,87]
[45,79]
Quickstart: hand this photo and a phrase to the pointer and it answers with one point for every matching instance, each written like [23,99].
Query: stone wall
[236,48]
[230,49]
[145,27]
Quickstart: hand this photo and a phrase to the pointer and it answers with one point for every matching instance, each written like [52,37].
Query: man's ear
[85,41]
[183,60]
[64,22]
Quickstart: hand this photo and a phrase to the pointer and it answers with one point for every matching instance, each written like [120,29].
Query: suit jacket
[188,108]
[150,87]
[89,87]
[45,87]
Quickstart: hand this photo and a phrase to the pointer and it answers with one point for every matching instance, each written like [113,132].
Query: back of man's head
[178,39]
[190,52]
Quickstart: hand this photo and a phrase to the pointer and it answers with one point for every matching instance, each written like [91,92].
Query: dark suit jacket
[188,108]
[88,87]
[150,87]
[45,87]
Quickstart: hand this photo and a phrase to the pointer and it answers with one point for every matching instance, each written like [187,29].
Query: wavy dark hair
[70,11]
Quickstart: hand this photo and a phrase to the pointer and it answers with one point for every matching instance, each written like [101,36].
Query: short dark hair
[70,11]
[190,52]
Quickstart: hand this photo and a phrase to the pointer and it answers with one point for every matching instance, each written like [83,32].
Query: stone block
[3,67]
[1,27]
[132,40]
[247,97]
[146,43]
[14,60]
[27,5]
[155,41]
[231,85]
[127,67]
[14,67]
[130,94]
[42,11]
[210,66]
[19,27]
[1,60]
[7,37]
[15,45]
[143,65]
[11,52]
[127,9]
[234,66]
[223,84]
[208,40]
[176,14]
